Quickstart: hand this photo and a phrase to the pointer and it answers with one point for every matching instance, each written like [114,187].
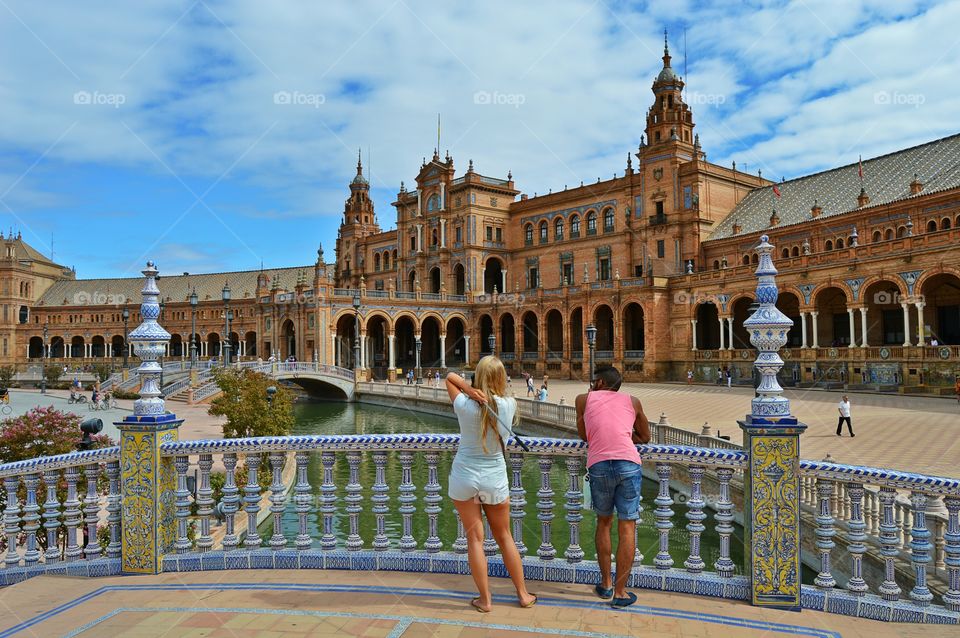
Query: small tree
[6,375]
[101,371]
[53,372]
[244,403]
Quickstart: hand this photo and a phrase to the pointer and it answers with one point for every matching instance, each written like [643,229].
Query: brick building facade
[660,259]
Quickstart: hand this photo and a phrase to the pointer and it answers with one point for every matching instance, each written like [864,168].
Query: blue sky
[211,135]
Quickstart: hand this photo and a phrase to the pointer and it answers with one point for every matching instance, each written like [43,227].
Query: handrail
[59,461]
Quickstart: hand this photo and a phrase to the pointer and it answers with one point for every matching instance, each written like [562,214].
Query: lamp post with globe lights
[592,343]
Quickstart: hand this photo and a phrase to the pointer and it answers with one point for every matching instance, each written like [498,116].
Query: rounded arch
[591,217]
[609,219]
[577,331]
[528,233]
[716,264]
[740,312]
[558,227]
[941,313]
[213,344]
[98,346]
[930,274]
[574,225]
[877,236]
[901,232]
[634,338]
[455,344]
[788,302]
[35,348]
[507,343]
[386,260]
[881,298]
[785,253]
[754,259]
[530,325]
[405,329]
[249,343]
[493,275]
[367,318]
[376,262]
[430,329]
[932,226]
[603,320]
[554,332]
[77,344]
[435,279]
[288,339]
[412,280]
[707,315]
[459,280]
[833,327]
[176,345]
[945,223]
[407,314]
[839,243]
[485,323]
[828,245]
[795,252]
[746,260]
[543,231]
[888,234]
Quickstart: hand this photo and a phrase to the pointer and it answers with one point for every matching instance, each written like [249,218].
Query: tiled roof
[243,285]
[25,252]
[885,179]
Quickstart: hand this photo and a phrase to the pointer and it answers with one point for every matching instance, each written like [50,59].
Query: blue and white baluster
[72,514]
[545,494]
[31,519]
[407,498]
[825,533]
[51,516]
[11,519]
[380,499]
[696,516]
[328,501]
[724,519]
[920,549]
[460,544]
[182,464]
[114,547]
[432,500]
[663,514]
[353,499]
[230,502]
[889,543]
[251,500]
[857,537]
[490,547]
[205,502]
[91,508]
[951,599]
[278,499]
[574,507]
[301,493]
[518,502]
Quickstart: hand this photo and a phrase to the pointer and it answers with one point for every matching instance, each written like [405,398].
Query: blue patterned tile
[362,561]
[237,560]
[169,563]
[286,559]
[812,598]
[907,613]
[56,569]
[680,582]
[212,561]
[104,567]
[708,586]
[533,570]
[940,616]
[261,559]
[738,589]
[559,572]
[650,578]
[79,568]
[589,574]
[337,559]
[875,608]
[496,568]
[443,564]
[311,559]
[415,563]
[189,563]
[840,602]
[390,561]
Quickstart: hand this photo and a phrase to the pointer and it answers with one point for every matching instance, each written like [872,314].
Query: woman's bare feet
[483,607]
[527,600]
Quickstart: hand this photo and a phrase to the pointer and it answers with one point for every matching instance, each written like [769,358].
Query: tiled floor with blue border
[229,604]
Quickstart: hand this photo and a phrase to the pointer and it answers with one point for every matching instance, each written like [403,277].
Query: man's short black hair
[609,375]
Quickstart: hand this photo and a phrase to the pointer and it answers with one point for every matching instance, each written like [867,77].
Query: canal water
[353,418]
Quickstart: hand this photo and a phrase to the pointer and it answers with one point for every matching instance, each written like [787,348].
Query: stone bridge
[319,380]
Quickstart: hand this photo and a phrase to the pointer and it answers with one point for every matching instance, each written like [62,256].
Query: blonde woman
[478,476]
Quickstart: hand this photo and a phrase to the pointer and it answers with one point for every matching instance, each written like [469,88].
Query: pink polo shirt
[608,418]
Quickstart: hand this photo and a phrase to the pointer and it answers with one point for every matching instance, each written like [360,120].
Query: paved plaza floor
[916,434]
[270,603]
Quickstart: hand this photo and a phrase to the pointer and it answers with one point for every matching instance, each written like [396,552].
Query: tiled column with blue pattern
[772,440]
[148,483]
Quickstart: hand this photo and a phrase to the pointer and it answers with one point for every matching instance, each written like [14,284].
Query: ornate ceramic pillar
[148,483]
[803,329]
[772,440]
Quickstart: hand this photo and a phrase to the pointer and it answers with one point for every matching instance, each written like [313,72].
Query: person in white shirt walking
[844,409]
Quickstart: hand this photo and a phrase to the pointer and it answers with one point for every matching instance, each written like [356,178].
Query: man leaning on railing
[612,424]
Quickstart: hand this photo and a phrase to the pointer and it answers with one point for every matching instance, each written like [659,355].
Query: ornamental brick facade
[660,258]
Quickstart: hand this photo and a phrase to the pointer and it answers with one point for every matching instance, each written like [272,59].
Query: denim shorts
[616,484]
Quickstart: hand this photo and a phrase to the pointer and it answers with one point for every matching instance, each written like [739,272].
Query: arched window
[746,260]
[839,244]
[888,234]
[932,226]
[575,226]
[394,256]
[901,232]
[608,220]
[376,262]
[828,245]
[591,223]
[945,223]
[435,237]
[754,259]
[528,234]
[796,251]
[544,236]
[433,203]
[413,241]
[386,260]
[716,264]
[876,236]
[558,229]
[785,253]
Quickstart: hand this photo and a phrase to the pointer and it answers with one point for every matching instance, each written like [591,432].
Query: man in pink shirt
[612,424]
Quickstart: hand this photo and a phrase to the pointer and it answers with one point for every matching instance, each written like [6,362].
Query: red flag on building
[860,167]
[776,190]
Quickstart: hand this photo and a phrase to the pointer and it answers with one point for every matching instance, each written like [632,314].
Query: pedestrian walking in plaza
[478,476]
[719,375]
[729,377]
[546,377]
[956,388]
[689,377]
[529,378]
[844,409]
[612,424]
[436,379]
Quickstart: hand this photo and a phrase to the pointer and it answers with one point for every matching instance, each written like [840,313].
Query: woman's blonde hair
[490,377]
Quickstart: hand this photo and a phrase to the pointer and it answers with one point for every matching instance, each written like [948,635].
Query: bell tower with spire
[669,120]
[359,222]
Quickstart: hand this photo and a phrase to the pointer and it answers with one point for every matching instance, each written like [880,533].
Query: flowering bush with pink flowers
[43,432]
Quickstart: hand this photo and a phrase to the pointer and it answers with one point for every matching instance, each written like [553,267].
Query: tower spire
[359,163]
[666,51]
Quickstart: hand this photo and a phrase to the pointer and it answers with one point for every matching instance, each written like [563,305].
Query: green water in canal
[352,418]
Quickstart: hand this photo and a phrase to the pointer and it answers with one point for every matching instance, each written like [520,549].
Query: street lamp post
[43,360]
[193,327]
[419,345]
[160,357]
[126,317]
[226,318]
[592,343]
[356,332]
[492,343]
[271,390]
